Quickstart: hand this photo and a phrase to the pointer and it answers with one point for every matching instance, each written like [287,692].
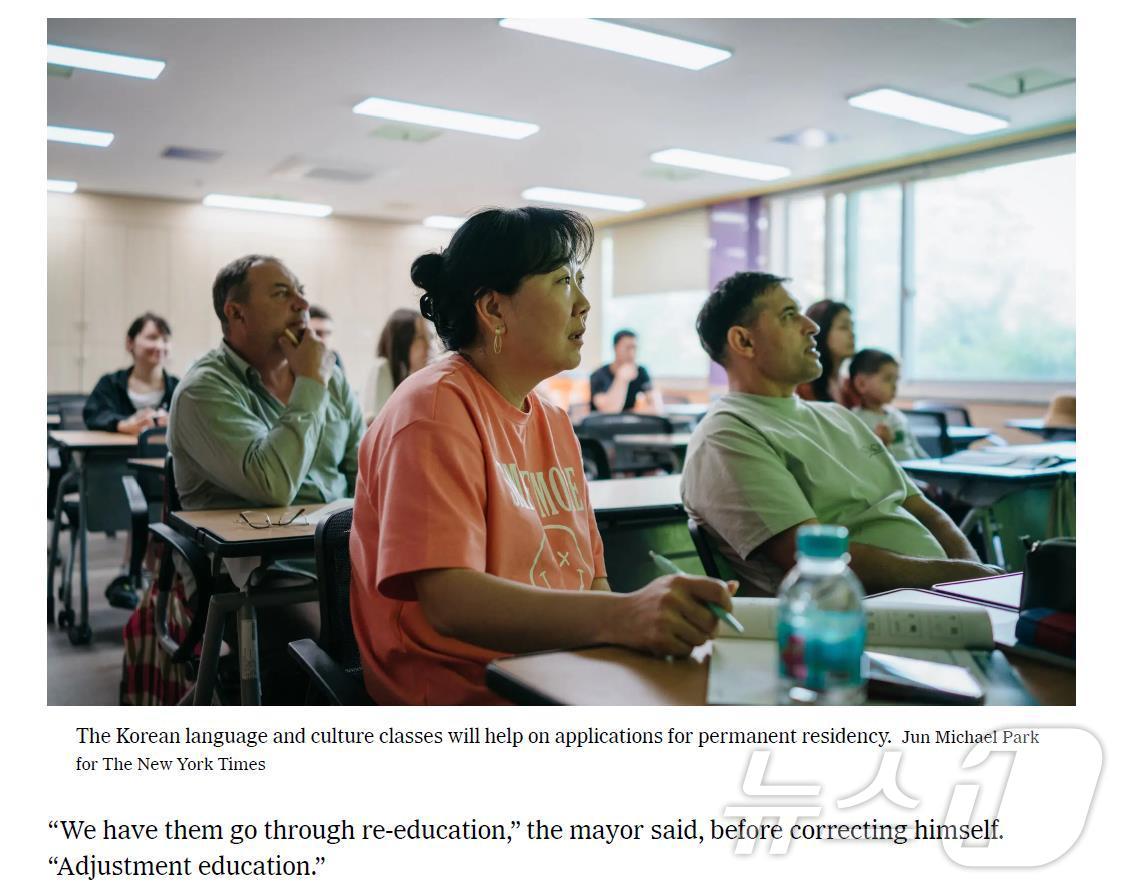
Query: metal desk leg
[80,633]
[220,606]
[248,657]
[52,553]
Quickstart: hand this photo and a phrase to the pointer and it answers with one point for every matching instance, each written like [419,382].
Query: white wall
[110,259]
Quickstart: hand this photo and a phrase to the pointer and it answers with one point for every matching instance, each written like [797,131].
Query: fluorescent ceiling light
[618,38]
[442,118]
[105,62]
[260,204]
[721,165]
[443,222]
[61,186]
[930,113]
[583,198]
[91,137]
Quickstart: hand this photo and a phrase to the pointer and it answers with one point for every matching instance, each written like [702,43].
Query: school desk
[982,486]
[612,675]
[226,535]
[89,450]
[1037,426]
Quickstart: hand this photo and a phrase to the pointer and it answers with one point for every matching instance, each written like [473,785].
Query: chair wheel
[121,594]
[80,635]
[66,618]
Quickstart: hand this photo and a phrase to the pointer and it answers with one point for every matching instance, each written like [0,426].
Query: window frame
[906,178]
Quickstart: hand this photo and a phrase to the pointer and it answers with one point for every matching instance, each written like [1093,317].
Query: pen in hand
[666,567]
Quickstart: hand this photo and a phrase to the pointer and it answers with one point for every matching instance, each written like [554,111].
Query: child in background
[873,376]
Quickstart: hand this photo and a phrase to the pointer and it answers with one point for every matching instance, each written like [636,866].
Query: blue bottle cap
[819,540]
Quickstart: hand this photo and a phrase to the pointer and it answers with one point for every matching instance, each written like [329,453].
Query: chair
[595,458]
[956,413]
[930,428]
[69,409]
[715,564]
[333,664]
[195,561]
[145,498]
[605,427]
[107,510]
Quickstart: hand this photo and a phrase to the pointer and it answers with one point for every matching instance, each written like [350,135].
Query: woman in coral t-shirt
[473,533]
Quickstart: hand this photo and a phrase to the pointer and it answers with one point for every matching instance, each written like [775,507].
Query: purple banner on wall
[734,236]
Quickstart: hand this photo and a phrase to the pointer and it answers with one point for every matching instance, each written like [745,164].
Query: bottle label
[822,651]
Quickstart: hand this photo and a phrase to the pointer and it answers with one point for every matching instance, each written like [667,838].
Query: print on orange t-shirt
[452,476]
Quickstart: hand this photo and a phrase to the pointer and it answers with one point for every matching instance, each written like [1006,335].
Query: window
[965,271]
[806,248]
[668,345]
[995,274]
[873,285]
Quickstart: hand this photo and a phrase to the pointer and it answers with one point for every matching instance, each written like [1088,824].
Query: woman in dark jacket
[135,399]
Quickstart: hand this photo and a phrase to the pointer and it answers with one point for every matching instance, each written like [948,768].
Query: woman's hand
[885,433]
[670,616]
[141,420]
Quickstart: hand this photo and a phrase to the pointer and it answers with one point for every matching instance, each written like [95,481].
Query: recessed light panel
[928,112]
[720,165]
[442,118]
[104,62]
[444,222]
[261,204]
[620,38]
[587,199]
[91,137]
[61,186]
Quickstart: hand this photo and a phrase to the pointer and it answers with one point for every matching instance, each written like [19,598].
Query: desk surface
[696,410]
[967,432]
[934,468]
[155,465]
[85,440]
[636,494]
[670,441]
[1036,424]
[224,532]
[611,675]
[53,420]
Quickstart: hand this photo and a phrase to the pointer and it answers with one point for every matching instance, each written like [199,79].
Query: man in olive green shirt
[260,420]
[764,462]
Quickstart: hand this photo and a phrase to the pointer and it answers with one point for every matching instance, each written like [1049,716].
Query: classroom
[511,361]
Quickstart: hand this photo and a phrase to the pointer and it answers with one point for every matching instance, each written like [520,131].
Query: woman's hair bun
[427,271]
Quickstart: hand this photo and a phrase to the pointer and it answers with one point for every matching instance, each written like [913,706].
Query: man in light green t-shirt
[764,462]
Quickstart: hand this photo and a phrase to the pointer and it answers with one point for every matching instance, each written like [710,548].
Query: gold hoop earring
[497,346]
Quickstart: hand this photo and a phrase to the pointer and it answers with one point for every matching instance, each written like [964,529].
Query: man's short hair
[315,312]
[731,303]
[623,333]
[232,283]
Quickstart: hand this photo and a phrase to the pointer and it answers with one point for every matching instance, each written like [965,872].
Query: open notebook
[743,668]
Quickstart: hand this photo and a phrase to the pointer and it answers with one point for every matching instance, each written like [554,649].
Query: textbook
[996,458]
[743,668]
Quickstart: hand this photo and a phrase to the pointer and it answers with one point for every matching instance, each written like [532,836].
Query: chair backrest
[107,504]
[956,413]
[333,572]
[595,457]
[606,425]
[69,409]
[152,443]
[712,560]
[930,428]
[171,492]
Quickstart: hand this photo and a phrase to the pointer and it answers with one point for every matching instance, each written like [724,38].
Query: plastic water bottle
[821,629]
